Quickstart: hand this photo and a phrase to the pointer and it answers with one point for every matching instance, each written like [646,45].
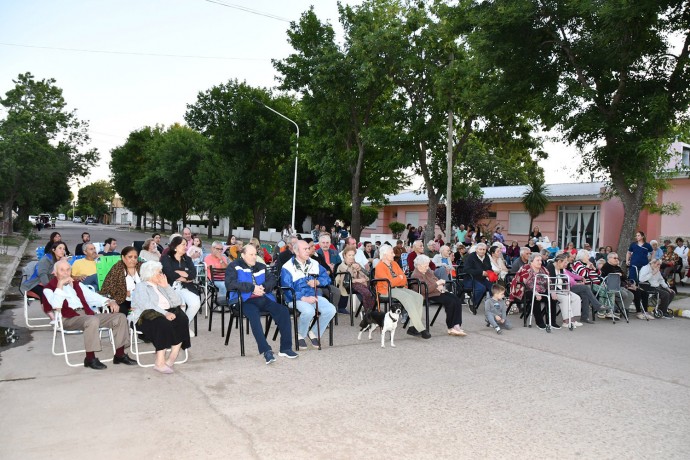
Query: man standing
[85,238]
[255,285]
[461,234]
[304,276]
[63,293]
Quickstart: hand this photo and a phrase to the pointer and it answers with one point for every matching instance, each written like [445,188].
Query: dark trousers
[539,309]
[480,286]
[665,297]
[453,306]
[252,309]
[164,333]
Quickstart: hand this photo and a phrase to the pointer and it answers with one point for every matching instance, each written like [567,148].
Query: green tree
[128,162]
[346,93]
[609,74]
[41,148]
[167,182]
[94,199]
[536,198]
[251,150]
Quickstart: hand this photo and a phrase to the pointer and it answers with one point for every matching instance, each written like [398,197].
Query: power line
[132,53]
[249,10]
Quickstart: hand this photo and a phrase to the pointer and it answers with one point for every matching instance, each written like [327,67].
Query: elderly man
[330,256]
[478,264]
[520,261]
[255,284]
[287,253]
[612,265]
[63,293]
[187,235]
[304,276]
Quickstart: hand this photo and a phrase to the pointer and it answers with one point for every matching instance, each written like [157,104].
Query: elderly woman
[651,273]
[263,255]
[527,286]
[149,251]
[564,295]
[591,276]
[157,314]
[657,252]
[178,267]
[437,290]
[359,279]
[498,263]
[121,280]
[670,261]
[411,300]
[444,259]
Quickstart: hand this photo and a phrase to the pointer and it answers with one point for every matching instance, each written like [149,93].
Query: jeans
[480,287]
[91,281]
[587,298]
[192,301]
[252,309]
[307,311]
[222,292]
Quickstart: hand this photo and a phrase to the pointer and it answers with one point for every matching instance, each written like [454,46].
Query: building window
[686,156]
[412,218]
[579,225]
[518,223]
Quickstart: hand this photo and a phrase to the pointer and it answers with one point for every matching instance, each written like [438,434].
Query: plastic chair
[59,327]
[134,336]
[103,266]
[33,322]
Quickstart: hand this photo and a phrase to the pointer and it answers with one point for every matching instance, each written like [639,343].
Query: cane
[316,311]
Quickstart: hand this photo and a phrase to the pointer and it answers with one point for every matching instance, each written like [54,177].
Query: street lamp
[294,187]
[73,203]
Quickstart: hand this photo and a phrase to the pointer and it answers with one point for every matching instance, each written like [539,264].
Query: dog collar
[391,317]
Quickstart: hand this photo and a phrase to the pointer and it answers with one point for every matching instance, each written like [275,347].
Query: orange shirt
[397,278]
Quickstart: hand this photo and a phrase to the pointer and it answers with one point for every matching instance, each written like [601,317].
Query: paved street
[602,391]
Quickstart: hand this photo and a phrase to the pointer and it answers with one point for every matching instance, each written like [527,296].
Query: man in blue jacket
[255,284]
[304,275]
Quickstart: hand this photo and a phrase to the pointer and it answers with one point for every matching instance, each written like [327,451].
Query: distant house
[576,212]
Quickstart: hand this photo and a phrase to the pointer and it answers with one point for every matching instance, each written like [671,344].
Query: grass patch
[12,240]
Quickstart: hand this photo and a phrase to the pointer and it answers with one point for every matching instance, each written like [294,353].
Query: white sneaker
[685,280]
[191,333]
[577,324]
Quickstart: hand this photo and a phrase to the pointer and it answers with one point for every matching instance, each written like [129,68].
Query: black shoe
[588,321]
[555,326]
[412,331]
[343,311]
[425,334]
[94,364]
[124,359]
[541,326]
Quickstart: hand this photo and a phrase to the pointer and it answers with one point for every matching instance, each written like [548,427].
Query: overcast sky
[121,63]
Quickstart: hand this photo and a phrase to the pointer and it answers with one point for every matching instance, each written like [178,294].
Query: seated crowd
[157,288]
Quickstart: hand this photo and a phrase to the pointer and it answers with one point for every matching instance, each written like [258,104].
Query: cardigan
[144,297]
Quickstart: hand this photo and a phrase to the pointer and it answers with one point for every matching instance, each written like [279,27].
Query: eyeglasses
[217,249]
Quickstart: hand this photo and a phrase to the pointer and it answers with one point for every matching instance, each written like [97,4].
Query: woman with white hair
[437,290]
[157,314]
[444,259]
[657,252]
[411,300]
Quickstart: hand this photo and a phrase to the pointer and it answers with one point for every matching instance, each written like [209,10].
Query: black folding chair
[237,313]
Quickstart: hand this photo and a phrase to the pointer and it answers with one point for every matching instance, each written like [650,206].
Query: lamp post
[73,203]
[294,187]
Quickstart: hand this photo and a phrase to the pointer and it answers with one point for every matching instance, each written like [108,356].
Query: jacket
[296,276]
[430,279]
[144,297]
[243,278]
[67,311]
[114,284]
[474,266]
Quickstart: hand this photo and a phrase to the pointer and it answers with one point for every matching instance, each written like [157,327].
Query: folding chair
[351,295]
[430,302]
[59,327]
[611,284]
[237,313]
[282,299]
[103,266]
[468,291]
[32,322]
[202,281]
[216,272]
[135,339]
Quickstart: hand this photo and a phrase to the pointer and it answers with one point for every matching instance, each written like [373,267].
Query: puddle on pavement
[8,336]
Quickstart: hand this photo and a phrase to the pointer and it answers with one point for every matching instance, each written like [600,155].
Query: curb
[4,284]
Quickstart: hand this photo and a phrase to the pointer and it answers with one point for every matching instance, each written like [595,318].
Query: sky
[127,64]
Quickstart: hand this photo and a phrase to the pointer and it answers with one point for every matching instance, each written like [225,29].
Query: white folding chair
[134,347]
[33,322]
[58,327]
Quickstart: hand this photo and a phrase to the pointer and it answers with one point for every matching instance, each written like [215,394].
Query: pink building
[576,212]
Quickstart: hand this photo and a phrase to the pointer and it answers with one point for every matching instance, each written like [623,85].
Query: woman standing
[638,256]
[122,279]
[437,290]
[178,267]
[535,233]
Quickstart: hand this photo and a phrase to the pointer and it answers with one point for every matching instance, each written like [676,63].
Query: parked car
[61,217]
[77,220]
[90,220]
[33,220]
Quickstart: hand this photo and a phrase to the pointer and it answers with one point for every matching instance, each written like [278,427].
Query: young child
[495,309]
[553,249]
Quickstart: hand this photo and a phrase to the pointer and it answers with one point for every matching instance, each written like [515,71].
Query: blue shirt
[640,254]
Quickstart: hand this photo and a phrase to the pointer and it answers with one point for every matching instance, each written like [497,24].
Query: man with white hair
[520,261]
[304,276]
[63,293]
[478,264]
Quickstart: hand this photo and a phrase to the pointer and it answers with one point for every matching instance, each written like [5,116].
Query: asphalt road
[602,391]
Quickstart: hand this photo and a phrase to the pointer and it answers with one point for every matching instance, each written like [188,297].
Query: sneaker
[302,343]
[541,327]
[412,331]
[632,309]
[288,354]
[610,315]
[268,354]
[191,333]
[343,311]
[425,334]
[498,330]
[668,315]
[457,332]
[555,326]
[601,314]
[577,323]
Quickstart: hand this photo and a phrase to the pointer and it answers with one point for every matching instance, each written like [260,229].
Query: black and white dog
[386,321]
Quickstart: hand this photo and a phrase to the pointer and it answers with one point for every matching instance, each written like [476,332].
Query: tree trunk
[138,227]
[258,213]
[229,226]
[7,217]
[632,206]
[209,227]
[449,184]
[434,198]
[356,221]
